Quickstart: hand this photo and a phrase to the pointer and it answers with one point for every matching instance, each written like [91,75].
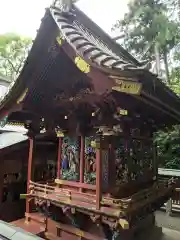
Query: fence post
[169,207]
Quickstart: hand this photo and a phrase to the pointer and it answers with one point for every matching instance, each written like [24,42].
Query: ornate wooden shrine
[103,106]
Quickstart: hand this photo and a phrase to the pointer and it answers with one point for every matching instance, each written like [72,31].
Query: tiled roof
[10,138]
[9,231]
[13,128]
[88,45]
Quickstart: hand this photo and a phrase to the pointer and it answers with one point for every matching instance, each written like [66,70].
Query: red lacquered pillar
[59,158]
[98,174]
[111,166]
[82,159]
[29,175]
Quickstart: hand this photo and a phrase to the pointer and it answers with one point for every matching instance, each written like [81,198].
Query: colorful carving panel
[105,168]
[141,154]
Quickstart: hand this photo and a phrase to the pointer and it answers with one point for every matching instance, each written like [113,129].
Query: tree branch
[14,69]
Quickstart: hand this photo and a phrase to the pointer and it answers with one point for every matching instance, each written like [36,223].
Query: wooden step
[51,236]
[36,217]
[32,226]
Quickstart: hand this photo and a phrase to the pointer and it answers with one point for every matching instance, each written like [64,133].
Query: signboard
[127,87]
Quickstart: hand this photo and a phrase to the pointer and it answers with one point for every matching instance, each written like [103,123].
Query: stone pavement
[170,228]
[169,234]
[170,225]
[173,222]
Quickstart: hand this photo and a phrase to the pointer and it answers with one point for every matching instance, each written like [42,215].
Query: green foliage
[168,143]
[13,51]
[150,25]
[145,24]
[175,72]
[175,80]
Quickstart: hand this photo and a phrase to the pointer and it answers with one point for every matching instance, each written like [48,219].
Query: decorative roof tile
[87,44]
[10,138]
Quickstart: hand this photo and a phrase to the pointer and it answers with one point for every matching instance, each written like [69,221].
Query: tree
[152,28]
[13,51]
[147,26]
[168,143]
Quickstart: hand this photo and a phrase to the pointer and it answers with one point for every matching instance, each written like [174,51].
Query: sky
[24,16]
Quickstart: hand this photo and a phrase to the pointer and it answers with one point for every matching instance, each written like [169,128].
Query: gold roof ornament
[59,40]
[82,65]
[65,6]
[59,132]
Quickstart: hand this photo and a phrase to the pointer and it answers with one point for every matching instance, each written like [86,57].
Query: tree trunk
[166,66]
[157,56]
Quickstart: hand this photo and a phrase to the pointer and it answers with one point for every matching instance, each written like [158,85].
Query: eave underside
[49,73]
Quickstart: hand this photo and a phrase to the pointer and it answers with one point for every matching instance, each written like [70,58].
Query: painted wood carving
[122,170]
[105,168]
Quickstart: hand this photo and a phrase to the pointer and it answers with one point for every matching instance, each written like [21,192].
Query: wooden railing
[173,204]
[85,200]
[78,185]
[176,197]
[60,194]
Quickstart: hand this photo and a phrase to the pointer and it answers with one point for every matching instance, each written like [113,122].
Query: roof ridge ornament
[65,6]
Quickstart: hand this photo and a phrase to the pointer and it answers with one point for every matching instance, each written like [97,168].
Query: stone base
[146,230]
[154,233]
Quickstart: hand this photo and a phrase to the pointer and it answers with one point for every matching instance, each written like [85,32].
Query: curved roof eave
[91,46]
[116,47]
[87,39]
[17,87]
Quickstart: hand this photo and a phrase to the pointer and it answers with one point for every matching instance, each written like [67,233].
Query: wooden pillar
[82,160]
[2,172]
[59,158]
[29,174]
[98,173]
